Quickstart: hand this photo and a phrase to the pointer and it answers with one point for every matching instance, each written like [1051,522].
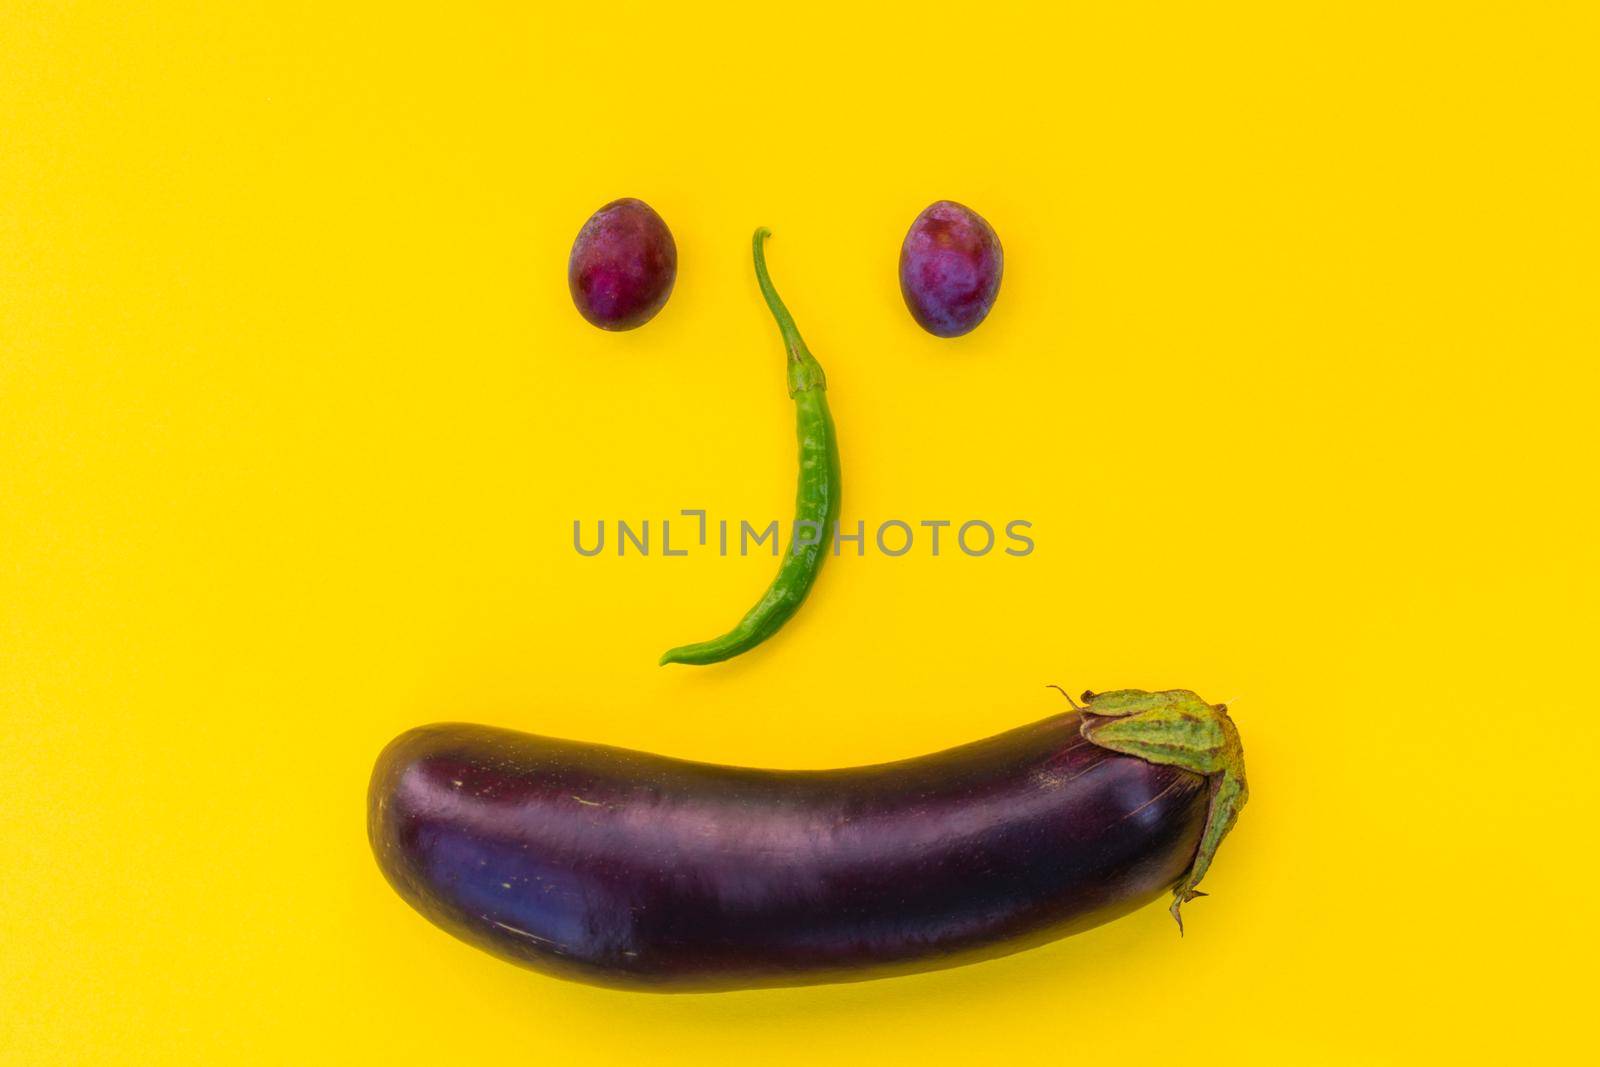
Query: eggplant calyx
[1178,729]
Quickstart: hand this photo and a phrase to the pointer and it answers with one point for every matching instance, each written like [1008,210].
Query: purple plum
[622,266]
[950,268]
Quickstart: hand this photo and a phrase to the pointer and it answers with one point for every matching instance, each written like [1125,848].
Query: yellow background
[1292,370]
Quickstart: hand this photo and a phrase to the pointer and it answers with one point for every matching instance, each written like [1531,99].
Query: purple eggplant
[631,870]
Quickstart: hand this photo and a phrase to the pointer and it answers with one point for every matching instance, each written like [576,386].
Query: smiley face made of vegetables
[638,871]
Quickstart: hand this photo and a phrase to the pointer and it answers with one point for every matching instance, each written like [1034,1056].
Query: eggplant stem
[1066,694]
[1176,728]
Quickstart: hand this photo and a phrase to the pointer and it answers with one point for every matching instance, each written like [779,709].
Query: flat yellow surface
[1292,370]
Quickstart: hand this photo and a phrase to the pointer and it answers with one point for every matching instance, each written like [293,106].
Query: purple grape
[950,267]
[622,266]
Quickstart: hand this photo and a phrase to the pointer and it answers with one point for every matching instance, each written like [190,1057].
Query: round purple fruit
[622,266]
[950,268]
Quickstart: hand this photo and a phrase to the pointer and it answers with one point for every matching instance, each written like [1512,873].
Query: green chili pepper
[816,502]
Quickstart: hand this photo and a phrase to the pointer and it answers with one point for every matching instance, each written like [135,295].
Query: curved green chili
[816,502]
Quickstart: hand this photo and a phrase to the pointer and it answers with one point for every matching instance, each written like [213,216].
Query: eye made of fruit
[950,266]
[623,265]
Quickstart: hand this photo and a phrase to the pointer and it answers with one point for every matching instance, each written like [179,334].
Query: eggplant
[631,870]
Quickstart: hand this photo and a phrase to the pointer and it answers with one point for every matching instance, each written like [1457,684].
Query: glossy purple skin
[950,266]
[626,869]
[623,265]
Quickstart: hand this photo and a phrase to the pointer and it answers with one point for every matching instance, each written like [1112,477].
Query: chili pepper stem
[804,370]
